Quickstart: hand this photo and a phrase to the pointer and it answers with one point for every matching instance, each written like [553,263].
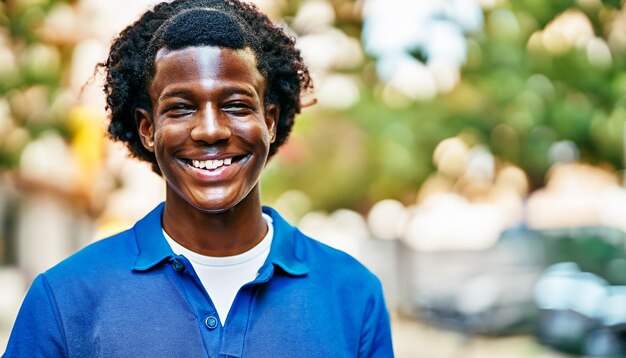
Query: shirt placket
[233,340]
[199,303]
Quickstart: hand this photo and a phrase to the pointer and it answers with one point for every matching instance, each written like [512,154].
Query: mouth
[215,164]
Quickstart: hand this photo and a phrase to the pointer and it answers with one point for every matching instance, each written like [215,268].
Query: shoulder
[78,283]
[324,265]
[105,255]
[342,267]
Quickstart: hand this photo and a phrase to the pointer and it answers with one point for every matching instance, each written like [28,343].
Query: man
[206,91]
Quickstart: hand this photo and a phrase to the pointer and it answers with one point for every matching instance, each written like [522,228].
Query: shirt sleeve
[376,332]
[37,331]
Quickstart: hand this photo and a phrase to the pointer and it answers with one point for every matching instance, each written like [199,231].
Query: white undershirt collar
[222,277]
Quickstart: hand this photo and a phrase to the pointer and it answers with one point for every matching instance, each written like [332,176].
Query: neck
[226,233]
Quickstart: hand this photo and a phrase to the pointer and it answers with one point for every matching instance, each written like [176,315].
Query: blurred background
[470,152]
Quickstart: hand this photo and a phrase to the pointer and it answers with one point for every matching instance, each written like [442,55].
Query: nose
[210,127]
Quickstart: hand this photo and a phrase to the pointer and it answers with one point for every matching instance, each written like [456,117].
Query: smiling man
[206,91]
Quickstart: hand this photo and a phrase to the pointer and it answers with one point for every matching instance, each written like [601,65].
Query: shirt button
[178,266]
[211,322]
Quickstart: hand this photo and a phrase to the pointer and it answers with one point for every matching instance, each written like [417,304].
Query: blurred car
[475,291]
[580,312]
[566,286]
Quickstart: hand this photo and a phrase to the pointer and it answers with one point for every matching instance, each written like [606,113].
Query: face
[209,128]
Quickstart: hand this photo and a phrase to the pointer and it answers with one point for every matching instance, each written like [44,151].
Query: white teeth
[198,164]
[216,163]
[211,164]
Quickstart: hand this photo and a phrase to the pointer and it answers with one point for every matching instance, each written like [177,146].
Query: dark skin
[210,132]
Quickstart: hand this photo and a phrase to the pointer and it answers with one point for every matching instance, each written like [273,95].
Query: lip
[222,173]
[204,157]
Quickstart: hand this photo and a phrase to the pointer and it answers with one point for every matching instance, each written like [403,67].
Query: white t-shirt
[222,277]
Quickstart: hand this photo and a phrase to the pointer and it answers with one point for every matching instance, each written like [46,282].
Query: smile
[213,164]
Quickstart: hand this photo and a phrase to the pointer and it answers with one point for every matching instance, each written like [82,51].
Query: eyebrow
[175,93]
[237,90]
[229,91]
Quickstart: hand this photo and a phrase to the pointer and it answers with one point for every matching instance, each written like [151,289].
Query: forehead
[206,66]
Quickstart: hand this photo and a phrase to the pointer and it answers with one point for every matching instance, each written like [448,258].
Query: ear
[272,112]
[145,128]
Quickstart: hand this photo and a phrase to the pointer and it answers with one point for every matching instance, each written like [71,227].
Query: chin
[211,208]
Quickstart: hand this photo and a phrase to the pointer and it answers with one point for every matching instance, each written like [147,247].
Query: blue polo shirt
[131,296]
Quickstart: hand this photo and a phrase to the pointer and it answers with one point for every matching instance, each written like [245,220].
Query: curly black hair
[130,65]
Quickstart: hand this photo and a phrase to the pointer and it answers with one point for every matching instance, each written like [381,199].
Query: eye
[178,110]
[238,108]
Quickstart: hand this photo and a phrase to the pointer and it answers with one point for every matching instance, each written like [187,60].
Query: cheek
[171,134]
[255,133]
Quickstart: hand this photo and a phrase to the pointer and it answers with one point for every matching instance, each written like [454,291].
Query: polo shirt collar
[287,251]
[153,248]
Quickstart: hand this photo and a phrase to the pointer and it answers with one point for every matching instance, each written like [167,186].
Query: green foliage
[32,71]
[514,98]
